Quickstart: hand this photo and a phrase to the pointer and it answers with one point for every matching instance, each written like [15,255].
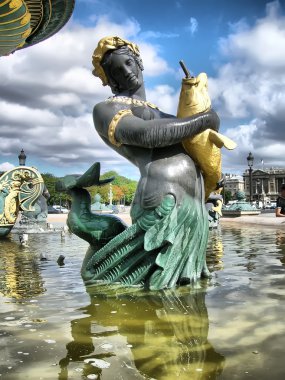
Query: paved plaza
[266,219]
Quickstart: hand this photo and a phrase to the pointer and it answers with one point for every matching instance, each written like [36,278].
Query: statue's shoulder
[102,107]
[106,110]
[110,105]
[103,112]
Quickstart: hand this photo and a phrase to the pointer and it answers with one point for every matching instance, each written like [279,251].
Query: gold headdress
[105,44]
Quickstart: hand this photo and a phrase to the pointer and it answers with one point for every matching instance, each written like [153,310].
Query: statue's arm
[132,130]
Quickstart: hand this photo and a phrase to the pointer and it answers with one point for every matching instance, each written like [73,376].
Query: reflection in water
[166,332]
[280,243]
[215,250]
[20,271]
[51,328]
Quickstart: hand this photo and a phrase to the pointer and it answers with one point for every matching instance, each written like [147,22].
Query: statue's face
[126,72]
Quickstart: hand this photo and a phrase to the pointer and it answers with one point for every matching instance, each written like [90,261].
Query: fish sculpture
[205,147]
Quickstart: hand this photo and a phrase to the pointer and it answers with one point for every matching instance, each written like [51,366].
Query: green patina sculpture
[24,23]
[166,244]
[241,207]
[40,213]
[98,206]
[19,190]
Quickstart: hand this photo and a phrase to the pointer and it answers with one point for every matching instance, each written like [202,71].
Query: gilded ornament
[131,101]
[205,147]
[27,33]
[4,3]
[19,189]
[105,44]
[26,19]
[113,124]
[15,4]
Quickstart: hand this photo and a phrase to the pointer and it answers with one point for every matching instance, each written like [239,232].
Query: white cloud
[48,93]
[193,25]
[164,97]
[253,79]
[21,115]
[6,166]
[250,85]
[262,45]
[243,134]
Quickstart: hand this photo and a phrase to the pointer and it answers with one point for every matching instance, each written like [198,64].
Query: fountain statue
[40,213]
[241,207]
[166,244]
[24,23]
[19,190]
[97,206]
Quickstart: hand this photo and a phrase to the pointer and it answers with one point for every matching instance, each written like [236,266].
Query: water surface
[229,327]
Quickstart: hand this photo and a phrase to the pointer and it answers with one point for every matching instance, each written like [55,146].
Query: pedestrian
[280,204]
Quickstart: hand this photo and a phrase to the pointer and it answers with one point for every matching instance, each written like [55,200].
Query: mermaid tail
[164,247]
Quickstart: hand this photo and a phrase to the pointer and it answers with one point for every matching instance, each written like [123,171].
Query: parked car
[271,205]
[52,210]
[115,209]
[61,209]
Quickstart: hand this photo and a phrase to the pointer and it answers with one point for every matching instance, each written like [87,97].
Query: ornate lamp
[22,158]
[250,160]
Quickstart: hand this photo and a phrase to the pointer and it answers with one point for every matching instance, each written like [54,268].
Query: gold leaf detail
[113,124]
[26,19]
[27,33]
[15,4]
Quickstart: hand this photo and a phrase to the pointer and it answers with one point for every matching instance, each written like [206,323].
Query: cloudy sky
[47,92]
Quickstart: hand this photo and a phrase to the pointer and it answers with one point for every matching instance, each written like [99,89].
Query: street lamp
[110,194]
[257,190]
[250,160]
[22,158]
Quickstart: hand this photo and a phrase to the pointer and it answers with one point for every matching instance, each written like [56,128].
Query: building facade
[266,184]
[233,183]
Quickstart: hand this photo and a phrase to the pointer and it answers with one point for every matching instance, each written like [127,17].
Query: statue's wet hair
[107,62]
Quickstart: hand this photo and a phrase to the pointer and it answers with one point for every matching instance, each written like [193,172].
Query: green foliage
[55,197]
[227,196]
[123,189]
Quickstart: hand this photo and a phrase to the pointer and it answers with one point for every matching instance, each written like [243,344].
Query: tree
[122,188]
[118,193]
[228,196]
[127,186]
[55,197]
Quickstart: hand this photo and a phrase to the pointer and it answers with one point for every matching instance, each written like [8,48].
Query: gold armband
[113,124]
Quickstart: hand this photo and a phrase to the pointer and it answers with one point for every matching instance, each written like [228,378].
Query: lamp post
[257,190]
[250,160]
[110,194]
[22,158]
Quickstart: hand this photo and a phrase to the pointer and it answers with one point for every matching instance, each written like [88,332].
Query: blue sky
[47,92]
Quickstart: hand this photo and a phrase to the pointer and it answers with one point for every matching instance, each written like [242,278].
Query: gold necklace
[130,101]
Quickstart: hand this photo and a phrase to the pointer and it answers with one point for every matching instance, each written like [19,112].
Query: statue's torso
[166,170]
[169,170]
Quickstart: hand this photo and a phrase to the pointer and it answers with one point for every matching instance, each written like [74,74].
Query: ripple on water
[50,324]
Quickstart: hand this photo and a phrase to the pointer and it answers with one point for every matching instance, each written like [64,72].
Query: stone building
[233,183]
[266,184]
